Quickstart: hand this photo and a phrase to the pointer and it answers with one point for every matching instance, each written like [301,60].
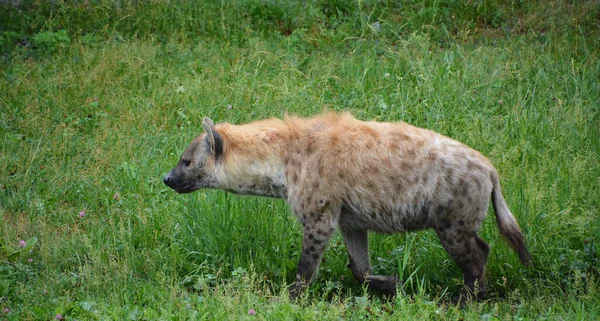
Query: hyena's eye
[185,162]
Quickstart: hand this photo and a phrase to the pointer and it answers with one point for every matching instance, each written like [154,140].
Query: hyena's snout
[175,182]
[168,179]
[181,183]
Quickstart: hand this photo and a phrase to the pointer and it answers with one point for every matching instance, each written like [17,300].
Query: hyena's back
[392,177]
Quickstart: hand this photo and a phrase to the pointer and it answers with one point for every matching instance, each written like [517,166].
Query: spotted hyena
[337,172]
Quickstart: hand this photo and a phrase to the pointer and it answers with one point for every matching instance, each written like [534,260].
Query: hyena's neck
[254,164]
[260,178]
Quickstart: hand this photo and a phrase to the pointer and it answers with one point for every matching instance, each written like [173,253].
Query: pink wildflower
[22,243]
[82,214]
[30,260]
[251,312]
[58,317]
[117,196]
[5,311]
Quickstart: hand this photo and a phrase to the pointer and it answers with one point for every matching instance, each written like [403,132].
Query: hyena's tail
[509,228]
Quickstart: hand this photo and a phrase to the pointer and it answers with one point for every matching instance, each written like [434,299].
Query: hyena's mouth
[178,187]
[185,188]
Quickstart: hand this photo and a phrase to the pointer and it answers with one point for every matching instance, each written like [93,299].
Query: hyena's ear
[215,141]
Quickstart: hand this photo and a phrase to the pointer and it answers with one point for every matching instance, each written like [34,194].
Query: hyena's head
[197,165]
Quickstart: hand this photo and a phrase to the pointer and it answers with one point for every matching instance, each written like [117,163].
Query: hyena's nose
[167,179]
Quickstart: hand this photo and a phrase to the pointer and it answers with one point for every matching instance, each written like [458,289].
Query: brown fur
[339,172]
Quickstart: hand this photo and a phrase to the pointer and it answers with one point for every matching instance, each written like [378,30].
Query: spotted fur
[337,172]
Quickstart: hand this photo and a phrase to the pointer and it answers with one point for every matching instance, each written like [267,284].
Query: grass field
[99,98]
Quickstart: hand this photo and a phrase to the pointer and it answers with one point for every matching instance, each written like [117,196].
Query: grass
[99,98]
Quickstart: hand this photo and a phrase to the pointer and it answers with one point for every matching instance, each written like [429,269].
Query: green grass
[102,97]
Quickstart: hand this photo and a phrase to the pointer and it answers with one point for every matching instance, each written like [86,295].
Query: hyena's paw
[466,296]
[384,284]
[297,290]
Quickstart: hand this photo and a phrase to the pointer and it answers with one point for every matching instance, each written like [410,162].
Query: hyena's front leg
[318,228]
[357,245]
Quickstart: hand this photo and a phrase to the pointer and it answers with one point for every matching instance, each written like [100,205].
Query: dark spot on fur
[418,179]
[442,211]
[449,175]
[309,199]
[471,165]
[399,186]
[461,222]
[322,232]
[431,157]
[438,185]
[309,147]
[315,256]
[310,236]
[478,183]
[464,189]
[475,167]
[405,166]
[456,191]
[451,205]
[400,137]
[373,169]
[425,179]
[312,248]
[333,140]
[469,198]
[303,266]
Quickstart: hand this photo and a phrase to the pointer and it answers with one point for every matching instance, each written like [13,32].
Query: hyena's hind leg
[357,245]
[468,251]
